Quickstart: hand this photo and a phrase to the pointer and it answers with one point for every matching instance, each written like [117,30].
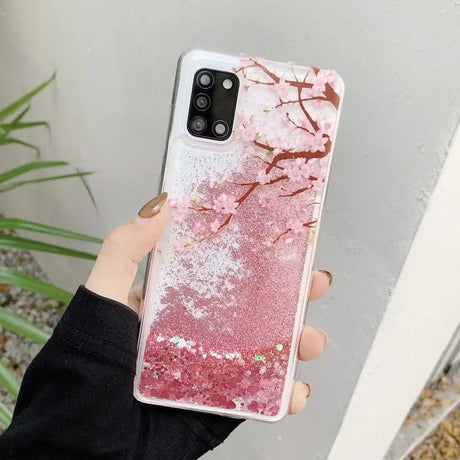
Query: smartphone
[246,167]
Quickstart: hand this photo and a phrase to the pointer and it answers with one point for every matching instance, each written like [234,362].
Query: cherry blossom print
[213,181]
[281,88]
[230,266]
[247,132]
[263,178]
[329,76]
[225,204]
[296,170]
[199,227]
[178,209]
[215,224]
[296,226]
[319,142]
[326,123]
[182,244]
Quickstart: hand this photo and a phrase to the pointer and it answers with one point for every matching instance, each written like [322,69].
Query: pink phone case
[227,288]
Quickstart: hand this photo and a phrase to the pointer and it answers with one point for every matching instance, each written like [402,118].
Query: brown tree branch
[310,224]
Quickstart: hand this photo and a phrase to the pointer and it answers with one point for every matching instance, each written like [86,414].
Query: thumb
[115,268]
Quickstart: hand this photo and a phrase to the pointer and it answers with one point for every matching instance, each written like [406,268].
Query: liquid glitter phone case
[227,286]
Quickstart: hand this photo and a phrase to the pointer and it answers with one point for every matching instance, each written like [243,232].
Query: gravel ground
[444,443]
[17,352]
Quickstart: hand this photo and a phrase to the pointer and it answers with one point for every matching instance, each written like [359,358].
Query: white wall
[109,107]
[422,316]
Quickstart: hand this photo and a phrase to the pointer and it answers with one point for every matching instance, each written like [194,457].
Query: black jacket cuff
[98,325]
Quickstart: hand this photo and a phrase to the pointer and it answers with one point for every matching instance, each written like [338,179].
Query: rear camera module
[202,101]
[205,79]
[213,98]
[198,124]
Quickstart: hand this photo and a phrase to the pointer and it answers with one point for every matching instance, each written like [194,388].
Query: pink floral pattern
[223,335]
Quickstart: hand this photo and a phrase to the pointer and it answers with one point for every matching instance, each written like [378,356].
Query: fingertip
[319,284]
[312,343]
[300,393]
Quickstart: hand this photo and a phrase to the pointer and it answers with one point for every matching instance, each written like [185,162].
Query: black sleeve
[76,399]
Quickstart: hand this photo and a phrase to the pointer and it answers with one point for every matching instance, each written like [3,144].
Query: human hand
[114,271]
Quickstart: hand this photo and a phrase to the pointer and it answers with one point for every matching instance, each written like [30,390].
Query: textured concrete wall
[109,107]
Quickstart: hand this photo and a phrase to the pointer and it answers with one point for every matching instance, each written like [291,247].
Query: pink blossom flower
[215,226]
[213,181]
[181,244]
[225,204]
[276,144]
[329,76]
[247,132]
[320,80]
[305,141]
[199,227]
[262,177]
[178,209]
[296,170]
[281,88]
[296,226]
[315,169]
[326,123]
[319,142]
[239,119]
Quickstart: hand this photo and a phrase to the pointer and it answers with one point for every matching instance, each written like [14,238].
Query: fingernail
[329,275]
[325,336]
[153,207]
[308,389]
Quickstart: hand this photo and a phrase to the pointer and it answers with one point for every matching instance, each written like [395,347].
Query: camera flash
[227,83]
[220,129]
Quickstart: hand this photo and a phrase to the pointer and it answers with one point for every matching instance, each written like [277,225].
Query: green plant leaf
[25,125]
[6,129]
[15,278]
[12,185]
[18,103]
[12,173]
[15,323]
[12,241]
[14,224]
[12,140]
[5,416]
[8,379]
[86,185]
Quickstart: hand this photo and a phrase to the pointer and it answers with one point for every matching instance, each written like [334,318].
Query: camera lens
[220,128]
[198,124]
[202,101]
[205,79]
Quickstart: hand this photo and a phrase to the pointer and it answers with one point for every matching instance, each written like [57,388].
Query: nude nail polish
[325,336]
[329,275]
[154,206]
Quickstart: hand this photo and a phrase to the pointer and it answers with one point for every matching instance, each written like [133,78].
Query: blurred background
[390,233]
